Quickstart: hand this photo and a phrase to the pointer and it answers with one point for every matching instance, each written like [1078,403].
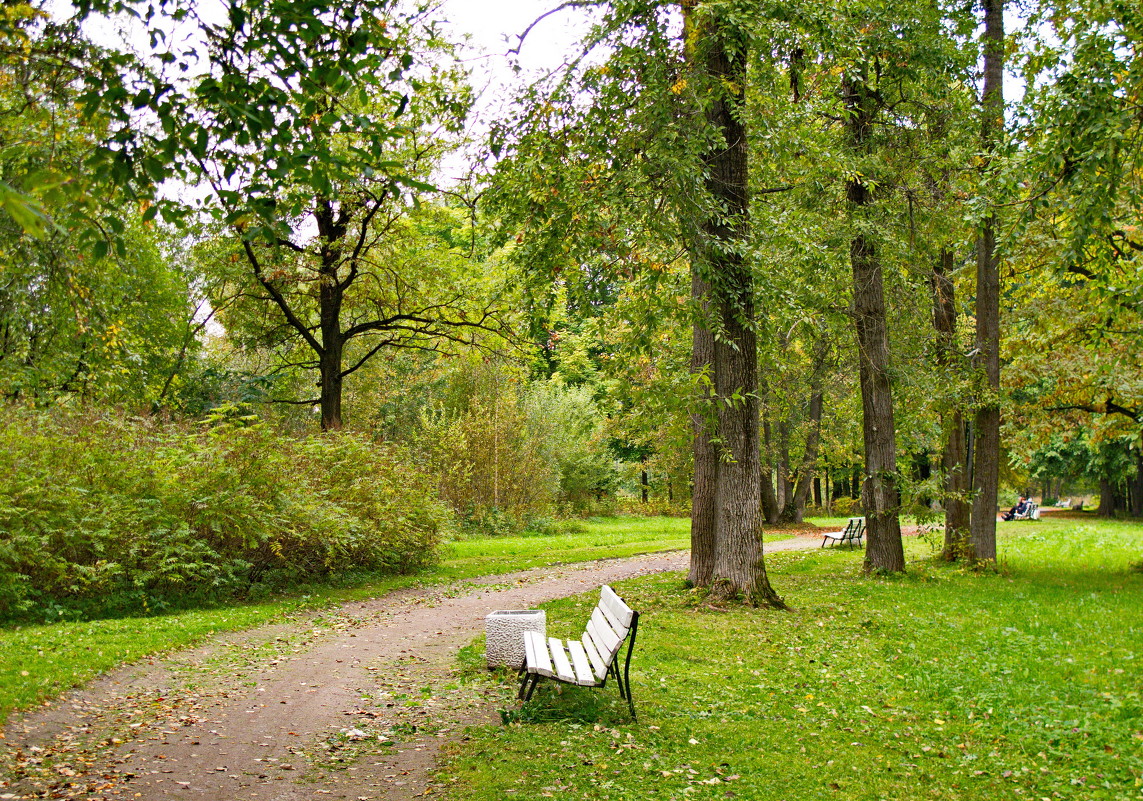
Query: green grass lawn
[37,662]
[944,683]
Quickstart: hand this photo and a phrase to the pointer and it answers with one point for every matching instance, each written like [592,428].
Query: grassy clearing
[37,662]
[940,684]
[603,538]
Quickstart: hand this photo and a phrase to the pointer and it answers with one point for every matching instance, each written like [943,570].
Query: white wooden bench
[587,662]
[851,535]
[1031,512]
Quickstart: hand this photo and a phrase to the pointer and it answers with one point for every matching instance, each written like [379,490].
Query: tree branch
[561,7]
[280,300]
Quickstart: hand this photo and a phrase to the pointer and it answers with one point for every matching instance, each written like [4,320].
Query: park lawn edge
[41,661]
[863,692]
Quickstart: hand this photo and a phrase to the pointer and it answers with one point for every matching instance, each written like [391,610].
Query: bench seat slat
[536,654]
[583,674]
[563,667]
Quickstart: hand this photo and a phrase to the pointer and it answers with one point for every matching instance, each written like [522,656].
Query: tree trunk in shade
[884,549]
[986,459]
[739,569]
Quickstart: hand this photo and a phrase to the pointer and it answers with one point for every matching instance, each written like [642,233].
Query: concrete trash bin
[504,635]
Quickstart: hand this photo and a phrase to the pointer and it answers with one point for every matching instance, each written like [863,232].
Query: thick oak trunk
[330,366]
[739,569]
[333,349]
[986,457]
[1107,498]
[1135,488]
[884,549]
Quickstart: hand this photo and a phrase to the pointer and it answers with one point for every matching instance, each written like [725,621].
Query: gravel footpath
[353,705]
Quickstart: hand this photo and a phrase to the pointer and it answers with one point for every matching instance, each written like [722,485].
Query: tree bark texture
[884,549]
[1107,497]
[986,459]
[955,454]
[739,569]
[331,293]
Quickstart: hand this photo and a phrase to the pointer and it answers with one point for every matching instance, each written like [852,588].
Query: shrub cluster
[105,507]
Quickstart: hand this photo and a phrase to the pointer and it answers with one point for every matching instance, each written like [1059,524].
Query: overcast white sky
[496,25]
[494,28]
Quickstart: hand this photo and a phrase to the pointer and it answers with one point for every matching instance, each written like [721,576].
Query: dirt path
[354,707]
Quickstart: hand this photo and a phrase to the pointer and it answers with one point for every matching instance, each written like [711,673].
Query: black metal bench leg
[532,687]
[523,682]
[614,670]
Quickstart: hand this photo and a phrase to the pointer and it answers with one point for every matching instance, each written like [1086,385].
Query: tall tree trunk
[986,463]
[739,569]
[331,230]
[703,499]
[1107,498]
[954,457]
[330,404]
[884,550]
[330,358]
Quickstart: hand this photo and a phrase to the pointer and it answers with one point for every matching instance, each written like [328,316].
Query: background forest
[250,333]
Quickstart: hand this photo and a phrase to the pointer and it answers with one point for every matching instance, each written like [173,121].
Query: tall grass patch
[102,513]
[945,683]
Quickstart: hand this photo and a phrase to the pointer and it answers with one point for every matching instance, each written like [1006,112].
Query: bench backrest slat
[607,640]
[598,662]
[619,612]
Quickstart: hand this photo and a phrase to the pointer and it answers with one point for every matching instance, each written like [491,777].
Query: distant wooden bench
[851,535]
[587,662]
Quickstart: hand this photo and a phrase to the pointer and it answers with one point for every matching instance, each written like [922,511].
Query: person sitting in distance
[1020,508]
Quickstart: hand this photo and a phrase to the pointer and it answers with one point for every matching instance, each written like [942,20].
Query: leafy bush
[99,507]
[846,507]
[506,450]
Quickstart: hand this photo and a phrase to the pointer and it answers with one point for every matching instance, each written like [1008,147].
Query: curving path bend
[355,708]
